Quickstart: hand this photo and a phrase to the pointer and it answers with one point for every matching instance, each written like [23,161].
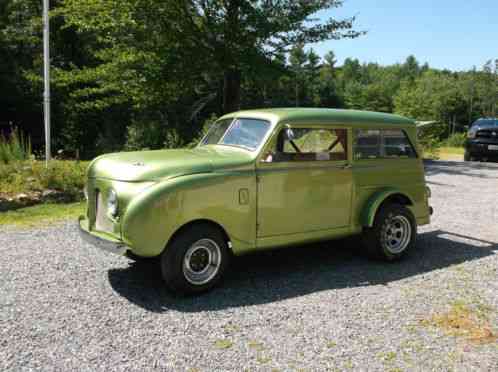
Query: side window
[385,143]
[311,144]
[366,144]
[397,145]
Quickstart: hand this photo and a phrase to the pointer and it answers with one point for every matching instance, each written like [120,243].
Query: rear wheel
[195,260]
[392,234]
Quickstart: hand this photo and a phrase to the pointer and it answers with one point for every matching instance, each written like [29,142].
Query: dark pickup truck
[482,140]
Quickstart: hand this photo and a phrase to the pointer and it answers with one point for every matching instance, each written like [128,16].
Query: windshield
[246,133]
[486,123]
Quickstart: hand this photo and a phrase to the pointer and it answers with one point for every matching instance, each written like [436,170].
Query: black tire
[134,257]
[466,156]
[376,239]
[200,240]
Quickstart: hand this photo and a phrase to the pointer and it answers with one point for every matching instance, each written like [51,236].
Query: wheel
[466,156]
[195,260]
[393,233]
[134,257]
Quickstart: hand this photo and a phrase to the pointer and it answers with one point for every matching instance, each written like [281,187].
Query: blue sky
[449,34]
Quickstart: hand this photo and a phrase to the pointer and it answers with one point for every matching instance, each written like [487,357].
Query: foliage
[434,96]
[205,127]
[14,147]
[455,140]
[30,176]
[136,74]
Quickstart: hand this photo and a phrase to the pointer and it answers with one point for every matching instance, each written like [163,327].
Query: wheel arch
[200,221]
[380,198]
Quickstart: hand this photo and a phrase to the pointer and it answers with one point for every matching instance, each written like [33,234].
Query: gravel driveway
[67,306]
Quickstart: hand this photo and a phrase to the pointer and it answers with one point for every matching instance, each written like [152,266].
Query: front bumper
[480,147]
[101,241]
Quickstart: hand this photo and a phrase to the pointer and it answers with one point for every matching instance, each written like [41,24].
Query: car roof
[323,116]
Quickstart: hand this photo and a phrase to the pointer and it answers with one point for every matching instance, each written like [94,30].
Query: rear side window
[382,143]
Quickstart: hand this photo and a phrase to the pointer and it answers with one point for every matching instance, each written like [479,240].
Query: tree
[411,69]
[435,96]
[240,35]
[297,59]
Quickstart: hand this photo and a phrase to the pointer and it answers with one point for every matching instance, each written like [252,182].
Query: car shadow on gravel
[287,273]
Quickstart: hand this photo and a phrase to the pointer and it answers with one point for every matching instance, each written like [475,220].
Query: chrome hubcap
[396,234]
[202,261]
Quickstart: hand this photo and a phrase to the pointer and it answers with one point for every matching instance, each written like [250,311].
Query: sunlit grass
[41,215]
[445,153]
[452,150]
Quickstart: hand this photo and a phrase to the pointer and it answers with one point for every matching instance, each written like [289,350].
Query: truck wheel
[466,156]
[393,233]
[195,260]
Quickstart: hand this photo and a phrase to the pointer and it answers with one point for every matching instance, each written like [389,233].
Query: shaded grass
[41,215]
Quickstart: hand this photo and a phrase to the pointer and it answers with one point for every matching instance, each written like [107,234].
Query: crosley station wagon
[261,179]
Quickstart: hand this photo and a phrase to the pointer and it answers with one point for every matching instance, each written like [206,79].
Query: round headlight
[112,203]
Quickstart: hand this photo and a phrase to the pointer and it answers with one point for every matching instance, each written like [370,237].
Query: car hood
[160,164]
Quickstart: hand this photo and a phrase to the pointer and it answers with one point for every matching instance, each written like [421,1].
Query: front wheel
[195,260]
[392,234]
[466,156]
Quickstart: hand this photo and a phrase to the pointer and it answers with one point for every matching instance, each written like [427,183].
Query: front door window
[310,144]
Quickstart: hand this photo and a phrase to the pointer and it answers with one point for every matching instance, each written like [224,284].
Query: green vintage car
[261,179]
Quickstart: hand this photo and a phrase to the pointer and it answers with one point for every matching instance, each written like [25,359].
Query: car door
[304,183]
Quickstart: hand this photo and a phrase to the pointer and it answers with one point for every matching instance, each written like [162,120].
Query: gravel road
[67,306]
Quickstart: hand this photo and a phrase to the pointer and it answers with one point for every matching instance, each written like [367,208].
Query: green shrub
[32,175]
[455,140]
[15,147]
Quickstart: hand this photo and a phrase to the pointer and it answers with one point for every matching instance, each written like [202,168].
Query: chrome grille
[102,222]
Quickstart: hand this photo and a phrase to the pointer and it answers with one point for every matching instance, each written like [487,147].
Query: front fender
[370,208]
[152,215]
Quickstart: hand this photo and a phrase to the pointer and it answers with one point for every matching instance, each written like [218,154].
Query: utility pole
[46,77]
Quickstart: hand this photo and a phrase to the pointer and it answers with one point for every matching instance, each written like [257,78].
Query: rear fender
[375,201]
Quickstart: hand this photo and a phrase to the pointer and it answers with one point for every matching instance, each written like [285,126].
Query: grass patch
[466,321]
[452,150]
[445,153]
[254,345]
[43,214]
[223,344]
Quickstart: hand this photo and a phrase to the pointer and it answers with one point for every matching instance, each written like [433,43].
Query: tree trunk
[231,90]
